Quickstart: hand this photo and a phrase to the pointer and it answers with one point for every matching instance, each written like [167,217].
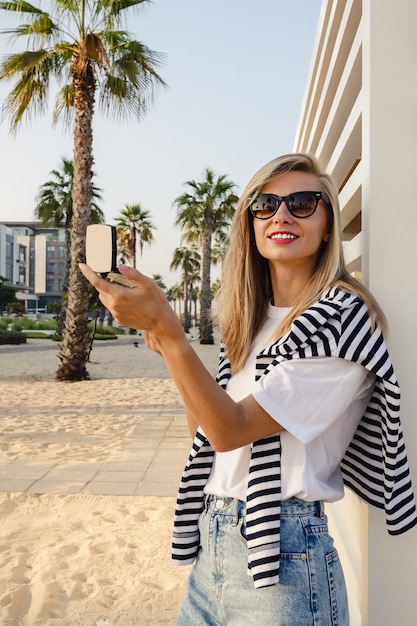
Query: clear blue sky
[236,73]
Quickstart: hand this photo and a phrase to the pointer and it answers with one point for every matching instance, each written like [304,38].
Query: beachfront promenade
[60,441]
[149,464]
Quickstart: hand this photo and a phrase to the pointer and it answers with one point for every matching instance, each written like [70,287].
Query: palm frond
[114,10]
[41,27]
[28,92]
[19,6]
[121,98]
[21,62]
[34,70]
[64,106]
[71,6]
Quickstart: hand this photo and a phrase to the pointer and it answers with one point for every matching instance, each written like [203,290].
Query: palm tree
[54,206]
[176,293]
[159,281]
[188,260]
[83,46]
[208,208]
[194,297]
[134,227]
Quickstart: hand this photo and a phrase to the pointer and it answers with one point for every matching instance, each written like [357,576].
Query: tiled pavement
[149,463]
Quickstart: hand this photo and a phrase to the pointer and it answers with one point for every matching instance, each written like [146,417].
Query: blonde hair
[242,301]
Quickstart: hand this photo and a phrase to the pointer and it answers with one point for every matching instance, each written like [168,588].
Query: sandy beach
[81,559]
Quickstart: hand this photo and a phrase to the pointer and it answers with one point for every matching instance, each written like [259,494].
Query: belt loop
[235,511]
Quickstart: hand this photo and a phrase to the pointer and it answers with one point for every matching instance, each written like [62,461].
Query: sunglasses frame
[318,195]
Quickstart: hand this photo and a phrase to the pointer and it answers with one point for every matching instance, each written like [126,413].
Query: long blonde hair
[242,302]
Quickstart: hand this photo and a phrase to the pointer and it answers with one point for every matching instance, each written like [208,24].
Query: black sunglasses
[300,204]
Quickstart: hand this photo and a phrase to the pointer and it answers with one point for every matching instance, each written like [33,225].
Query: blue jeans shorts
[311,591]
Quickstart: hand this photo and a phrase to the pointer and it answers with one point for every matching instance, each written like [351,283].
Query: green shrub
[47,325]
[7,337]
[102,330]
[23,323]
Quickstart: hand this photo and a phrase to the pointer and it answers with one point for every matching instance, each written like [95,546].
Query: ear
[327,236]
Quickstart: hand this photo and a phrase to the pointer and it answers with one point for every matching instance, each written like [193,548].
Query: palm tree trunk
[187,322]
[206,324]
[74,350]
[67,272]
[133,243]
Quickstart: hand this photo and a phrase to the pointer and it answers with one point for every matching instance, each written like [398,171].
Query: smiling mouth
[283,236]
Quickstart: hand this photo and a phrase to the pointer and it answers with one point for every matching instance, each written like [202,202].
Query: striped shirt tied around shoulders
[375,465]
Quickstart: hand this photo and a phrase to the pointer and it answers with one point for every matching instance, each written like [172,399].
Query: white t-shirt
[319,403]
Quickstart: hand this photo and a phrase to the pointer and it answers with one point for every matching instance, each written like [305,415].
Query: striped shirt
[375,465]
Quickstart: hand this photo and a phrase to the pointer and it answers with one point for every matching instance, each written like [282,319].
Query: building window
[50,268]
[61,252]
[50,284]
[9,251]
[50,252]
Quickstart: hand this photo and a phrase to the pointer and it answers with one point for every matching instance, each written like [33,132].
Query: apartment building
[32,259]
[359,117]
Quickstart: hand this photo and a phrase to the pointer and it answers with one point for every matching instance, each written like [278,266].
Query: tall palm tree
[188,260]
[54,206]
[206,209]
[134,227]
[83,46]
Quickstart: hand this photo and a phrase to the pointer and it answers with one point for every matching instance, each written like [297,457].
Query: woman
[303,370]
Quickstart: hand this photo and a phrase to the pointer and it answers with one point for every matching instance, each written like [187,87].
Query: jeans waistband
[235,507]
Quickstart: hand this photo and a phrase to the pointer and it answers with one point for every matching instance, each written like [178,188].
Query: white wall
[390,265]
[359,117]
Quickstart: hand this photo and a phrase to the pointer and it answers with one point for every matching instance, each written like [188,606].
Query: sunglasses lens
[264,206]
[302,203]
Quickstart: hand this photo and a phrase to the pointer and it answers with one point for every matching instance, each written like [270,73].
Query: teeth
[283,236]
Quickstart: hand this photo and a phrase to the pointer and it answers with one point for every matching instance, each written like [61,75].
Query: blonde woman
[303,401]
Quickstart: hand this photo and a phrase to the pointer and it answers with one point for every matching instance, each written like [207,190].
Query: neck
[287,287]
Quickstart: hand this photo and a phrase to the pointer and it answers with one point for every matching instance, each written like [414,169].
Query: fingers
[92,277]
[129,272]
[144,306]
[103,285]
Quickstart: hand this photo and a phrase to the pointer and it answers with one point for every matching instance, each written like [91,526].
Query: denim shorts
[311,591]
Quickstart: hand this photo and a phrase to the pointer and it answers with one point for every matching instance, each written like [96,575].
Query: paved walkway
[149,463]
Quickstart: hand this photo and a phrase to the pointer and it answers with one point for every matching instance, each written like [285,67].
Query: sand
[82,559]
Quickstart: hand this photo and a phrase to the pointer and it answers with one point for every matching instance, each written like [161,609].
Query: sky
[236,72]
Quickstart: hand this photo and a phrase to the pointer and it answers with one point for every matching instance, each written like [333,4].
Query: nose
[282,215]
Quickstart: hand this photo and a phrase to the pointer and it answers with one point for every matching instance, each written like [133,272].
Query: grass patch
[37,334]
[104,337]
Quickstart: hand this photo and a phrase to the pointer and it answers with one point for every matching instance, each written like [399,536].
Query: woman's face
[289,242]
